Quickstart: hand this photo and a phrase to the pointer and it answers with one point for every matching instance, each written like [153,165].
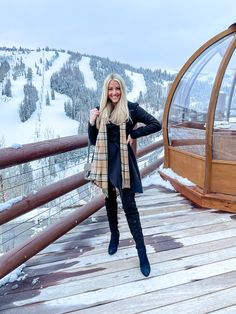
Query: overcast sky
[143,33]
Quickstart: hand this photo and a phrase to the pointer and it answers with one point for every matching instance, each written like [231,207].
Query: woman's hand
[130,140]
[94,113]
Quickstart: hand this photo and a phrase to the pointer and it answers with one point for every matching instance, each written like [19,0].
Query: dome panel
[199,124]
[224,132]
[190,102]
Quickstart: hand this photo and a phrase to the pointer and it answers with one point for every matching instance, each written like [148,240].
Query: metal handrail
[11,156]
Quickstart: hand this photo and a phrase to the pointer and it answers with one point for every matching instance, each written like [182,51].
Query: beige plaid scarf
[99,169]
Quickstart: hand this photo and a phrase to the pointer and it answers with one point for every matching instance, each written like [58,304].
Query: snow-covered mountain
[47,121]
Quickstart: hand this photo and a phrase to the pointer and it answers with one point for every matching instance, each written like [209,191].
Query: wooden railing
[29,152]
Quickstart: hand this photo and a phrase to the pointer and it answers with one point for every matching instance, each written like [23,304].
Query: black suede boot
[136,231]
[111,207]
[144,263]
[114,242]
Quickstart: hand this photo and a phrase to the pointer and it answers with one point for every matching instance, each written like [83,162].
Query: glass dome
[199,124]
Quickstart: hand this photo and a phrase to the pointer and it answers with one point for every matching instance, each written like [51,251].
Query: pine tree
[29,75]
[52,94]
[7,89]
[26,175]
[28,105]
[4,68]
[47,99]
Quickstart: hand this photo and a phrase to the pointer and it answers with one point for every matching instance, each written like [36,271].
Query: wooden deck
[192,253]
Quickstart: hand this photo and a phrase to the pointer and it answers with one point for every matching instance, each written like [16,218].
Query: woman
[111,130]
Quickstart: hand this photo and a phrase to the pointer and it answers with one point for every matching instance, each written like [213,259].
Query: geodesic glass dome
[199,124]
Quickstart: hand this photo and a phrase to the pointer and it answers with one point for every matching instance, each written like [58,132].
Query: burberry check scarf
[99,168]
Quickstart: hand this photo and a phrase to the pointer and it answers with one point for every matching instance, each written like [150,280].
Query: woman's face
[114,91]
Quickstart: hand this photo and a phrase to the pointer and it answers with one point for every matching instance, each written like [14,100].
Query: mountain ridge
[68,84]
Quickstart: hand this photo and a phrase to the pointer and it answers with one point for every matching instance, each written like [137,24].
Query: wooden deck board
[192,254]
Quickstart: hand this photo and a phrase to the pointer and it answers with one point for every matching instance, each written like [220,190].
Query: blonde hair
[108,113]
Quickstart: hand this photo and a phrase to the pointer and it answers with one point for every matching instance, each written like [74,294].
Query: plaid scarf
[99,168]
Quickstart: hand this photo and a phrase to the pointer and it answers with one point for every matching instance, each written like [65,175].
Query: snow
[16,145]
[9,203]
[84,67]
[172,71]
[138,85]
[156,179]
[47,121]
[17,274]
[170,173]
[222,124]
[35,281]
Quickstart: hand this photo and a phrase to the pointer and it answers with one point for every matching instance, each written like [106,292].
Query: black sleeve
[92,133]
[151,123]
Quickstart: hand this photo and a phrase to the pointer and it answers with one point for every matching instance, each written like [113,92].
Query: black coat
[137,114]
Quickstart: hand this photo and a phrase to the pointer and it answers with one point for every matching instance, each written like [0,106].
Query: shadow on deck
[191,250]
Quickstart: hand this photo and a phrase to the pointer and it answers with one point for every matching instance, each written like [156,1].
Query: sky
[144,33]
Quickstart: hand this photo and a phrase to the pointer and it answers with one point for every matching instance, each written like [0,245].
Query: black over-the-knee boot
[133,219]
[112,215]
[136,231]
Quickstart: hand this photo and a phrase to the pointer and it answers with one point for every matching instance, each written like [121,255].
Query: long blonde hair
[116,114]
